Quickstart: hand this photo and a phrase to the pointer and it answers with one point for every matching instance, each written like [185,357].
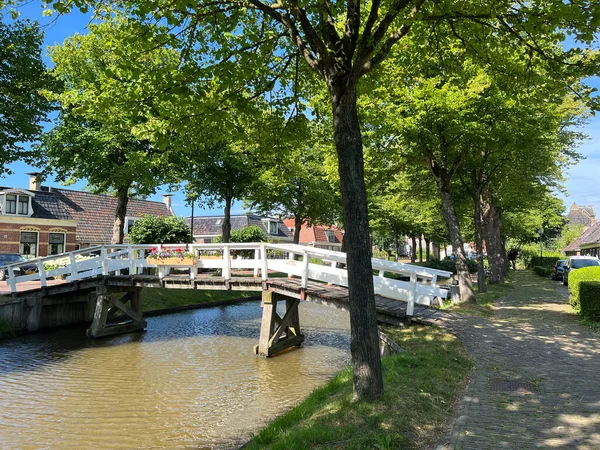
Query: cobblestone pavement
[536,380]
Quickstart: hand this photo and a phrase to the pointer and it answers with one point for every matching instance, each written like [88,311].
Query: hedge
[542,271]
[576,278]
[589,298]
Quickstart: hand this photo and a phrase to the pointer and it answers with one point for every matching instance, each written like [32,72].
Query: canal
[190,381]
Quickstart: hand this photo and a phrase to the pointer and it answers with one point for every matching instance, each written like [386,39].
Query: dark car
[577,262]
[13,258]
[557,270]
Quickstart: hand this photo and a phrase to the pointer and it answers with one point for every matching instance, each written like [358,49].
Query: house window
[273,228]
[17,204]
[56,242]
[330,235]
[129,221]
[11,204]
[23,205]
[28,243]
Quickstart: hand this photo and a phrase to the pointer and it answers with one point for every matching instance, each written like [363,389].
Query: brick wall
[10,237]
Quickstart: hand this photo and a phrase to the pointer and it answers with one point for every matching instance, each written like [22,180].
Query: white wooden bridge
[113,271]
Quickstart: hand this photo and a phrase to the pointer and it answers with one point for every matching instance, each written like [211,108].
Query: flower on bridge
[164,253]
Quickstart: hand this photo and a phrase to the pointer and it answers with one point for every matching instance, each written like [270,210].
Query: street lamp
[541,231]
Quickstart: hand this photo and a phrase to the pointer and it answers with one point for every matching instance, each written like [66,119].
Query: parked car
[13,258]
[557,270]
[577,262]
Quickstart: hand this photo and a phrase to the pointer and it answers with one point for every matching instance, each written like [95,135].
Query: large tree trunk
[497,257]
[366,361]
[226,227]
[413,249]
[420,248]
[297,227]
[449,212]
[481,287]
[427,252]
[119,224]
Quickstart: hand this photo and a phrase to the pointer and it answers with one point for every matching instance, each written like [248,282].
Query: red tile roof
[95,213]
[316,234]
[583,239]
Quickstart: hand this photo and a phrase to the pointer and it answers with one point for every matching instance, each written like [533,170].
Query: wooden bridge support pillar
[278,333]
[112,315]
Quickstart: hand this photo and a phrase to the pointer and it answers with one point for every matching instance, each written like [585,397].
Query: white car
[577,262]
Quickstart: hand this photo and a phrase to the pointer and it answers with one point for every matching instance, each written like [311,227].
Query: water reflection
[190,381]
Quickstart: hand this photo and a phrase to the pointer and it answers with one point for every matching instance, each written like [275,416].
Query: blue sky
[582,184]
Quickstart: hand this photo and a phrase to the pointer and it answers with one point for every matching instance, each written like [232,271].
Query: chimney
[167,200]
[35,182]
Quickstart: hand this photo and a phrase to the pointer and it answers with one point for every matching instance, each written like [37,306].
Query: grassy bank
[485,301]
[156,298]
[421,386]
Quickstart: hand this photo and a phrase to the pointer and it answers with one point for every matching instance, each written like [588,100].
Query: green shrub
[159,230]
[529,257]
[381,254]
[589,298]
[542,271]
[576,278]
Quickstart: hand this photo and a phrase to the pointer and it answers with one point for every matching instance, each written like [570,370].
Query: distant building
[42,221]
[581,215]
[318,236]
[207,228]
[588,244]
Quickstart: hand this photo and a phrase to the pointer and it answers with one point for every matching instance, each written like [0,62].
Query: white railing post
[103,260]
[42,272]
[73,267]
[226,262]
[306,261]
[412,295]
[434,280]
[256,259]
[11,280]
[381,273]
[131,264]
[265,265]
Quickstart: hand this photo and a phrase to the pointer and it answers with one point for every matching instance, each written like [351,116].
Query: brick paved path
[536,381]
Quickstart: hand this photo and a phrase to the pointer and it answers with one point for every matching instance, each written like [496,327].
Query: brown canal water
[190,381]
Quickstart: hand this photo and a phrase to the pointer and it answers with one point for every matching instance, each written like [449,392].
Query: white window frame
[37,245]
[271,224]
[126,225]
[18,193]
[64,241]
[330,235]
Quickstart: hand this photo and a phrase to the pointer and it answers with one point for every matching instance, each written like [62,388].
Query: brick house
[581,215]
[318,236]
[588,244]
[42,221]
[207,228]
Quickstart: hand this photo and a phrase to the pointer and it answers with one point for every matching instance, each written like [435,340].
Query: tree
[22,78]
[342,43]
[159,230]
[221,174]
[98,145]
[293,184]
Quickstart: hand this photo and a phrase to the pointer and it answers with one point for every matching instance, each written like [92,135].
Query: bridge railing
[261,258]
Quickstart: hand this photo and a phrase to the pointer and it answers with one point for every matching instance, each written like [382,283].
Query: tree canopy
[23,107]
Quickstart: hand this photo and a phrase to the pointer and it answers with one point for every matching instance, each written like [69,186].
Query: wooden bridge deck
[389,311]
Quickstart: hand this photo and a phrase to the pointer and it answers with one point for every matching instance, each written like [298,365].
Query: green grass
[485,301]
[421,386]
[156,298]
